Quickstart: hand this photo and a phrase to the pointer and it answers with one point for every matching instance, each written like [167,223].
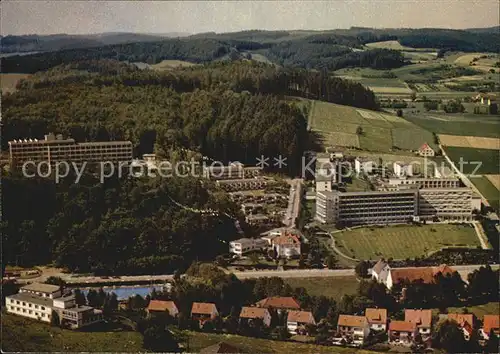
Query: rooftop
[204,308]
[159,305]
[491,322]
[421,318]
[39,300]
[253,312]
[42,288]
[301,316]
[279,303]
[221,347]
[402,326]
[376,315]
[352,321]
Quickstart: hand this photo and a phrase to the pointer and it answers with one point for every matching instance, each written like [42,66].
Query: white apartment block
[235,170]
[40,301]
[403,170]
[363,165]
[396,206]
[54,149]
[246,245]
[359,208]
[417,182]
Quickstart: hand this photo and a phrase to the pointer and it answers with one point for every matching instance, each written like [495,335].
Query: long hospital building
[395,206]
[55,149]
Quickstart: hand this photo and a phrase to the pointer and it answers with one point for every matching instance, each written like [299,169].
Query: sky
[82,17]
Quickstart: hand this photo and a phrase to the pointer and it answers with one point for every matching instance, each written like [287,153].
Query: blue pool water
[124,292]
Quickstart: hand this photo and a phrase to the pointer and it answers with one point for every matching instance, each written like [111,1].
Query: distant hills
[47,43]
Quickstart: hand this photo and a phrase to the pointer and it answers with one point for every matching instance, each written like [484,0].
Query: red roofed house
[465,321]
[426,274]
[297,320]
[490,323]
[353,328]
[422,319]
[159,306]
[279,303]
[287,245]
[426,150]
[252,313]
[203,311]
[377,319]
[402,332]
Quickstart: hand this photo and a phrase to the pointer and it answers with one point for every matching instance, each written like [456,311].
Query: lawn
[198,341]
[488,190]
[489,159]
[491,308]
[24,335]
[334,287]
[403,241]
[338,125]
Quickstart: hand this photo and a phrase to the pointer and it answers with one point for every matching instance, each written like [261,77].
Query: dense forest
[128,226]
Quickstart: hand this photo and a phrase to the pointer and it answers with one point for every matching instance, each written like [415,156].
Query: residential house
[279,303]
[246,245]
[402,332]
[287,245]
[353,329]
[422,320]
[403,169]
[377,319]
[297,320]
[364,165]
[252,313]
[380,272]
[160,306]
[203,311]
[390,277]
[426,151]
[490,323]
[465,321]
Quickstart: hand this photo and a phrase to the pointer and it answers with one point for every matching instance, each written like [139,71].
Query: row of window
[17,302]
[30,312]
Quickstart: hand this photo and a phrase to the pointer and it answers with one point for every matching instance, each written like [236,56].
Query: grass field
[171,64]
[469,141]
[9,81]
[458,124]
[488,190]
[334,287]
[491,308]
[403,241]
[495,180]
[337,125]
[489,159]
[198,341]
[24,335]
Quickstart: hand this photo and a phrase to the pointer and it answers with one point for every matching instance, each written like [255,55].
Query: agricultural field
[458,124]
[480,61]
[488,189]
[489,159]
[403,241]
[171,64]
[469,141]
[25,335]
[9,81]
[490,308]
[339,125]
[495,180]
[199,340]
[381,85]
[334,287]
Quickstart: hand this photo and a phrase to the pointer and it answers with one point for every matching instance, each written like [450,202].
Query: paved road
[299,273]
[292,212]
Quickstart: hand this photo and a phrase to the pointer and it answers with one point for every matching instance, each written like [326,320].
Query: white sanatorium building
[39,301]
[397,206]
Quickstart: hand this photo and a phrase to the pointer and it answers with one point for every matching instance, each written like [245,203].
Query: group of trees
[120,226]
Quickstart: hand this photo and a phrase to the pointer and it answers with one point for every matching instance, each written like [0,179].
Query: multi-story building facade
[54,149]
[231,185]
[396,206]
[235,170]
[353,328]
[453,204]
[40,301]
[416,182]
[374,207]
